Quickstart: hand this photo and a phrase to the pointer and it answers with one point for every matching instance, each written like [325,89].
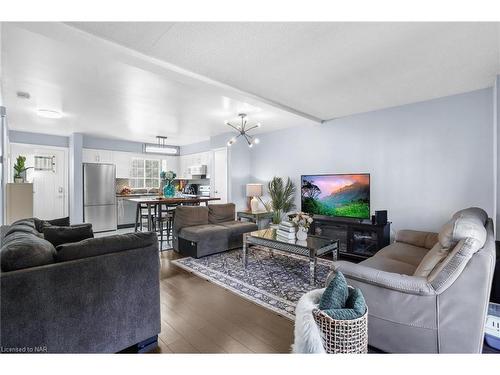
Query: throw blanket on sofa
[307,334]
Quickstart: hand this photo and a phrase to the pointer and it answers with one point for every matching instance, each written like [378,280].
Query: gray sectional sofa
[201,231]
[429,292]
[98,295]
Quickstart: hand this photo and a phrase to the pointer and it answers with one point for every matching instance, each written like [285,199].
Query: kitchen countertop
[136,195]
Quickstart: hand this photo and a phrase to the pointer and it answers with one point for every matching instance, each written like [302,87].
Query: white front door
[219,176]
[50,187]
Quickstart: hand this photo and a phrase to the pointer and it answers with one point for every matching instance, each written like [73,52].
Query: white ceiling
[134,80]
[108,91]
[326,69]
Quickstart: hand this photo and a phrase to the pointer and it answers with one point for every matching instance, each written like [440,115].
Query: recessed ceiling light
[48,113]
[23,95]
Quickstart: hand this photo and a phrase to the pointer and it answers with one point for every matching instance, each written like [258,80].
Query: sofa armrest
[402,283]
[417,238]
[99,304]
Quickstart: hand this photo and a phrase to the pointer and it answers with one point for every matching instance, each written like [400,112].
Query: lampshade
[254,190]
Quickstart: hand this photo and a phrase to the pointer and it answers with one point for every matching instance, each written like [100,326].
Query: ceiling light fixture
[48,113]
[243,130]
[161,147]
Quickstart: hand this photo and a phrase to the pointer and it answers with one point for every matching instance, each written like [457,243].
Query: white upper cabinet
[97,156]
[187,161]
[123,160]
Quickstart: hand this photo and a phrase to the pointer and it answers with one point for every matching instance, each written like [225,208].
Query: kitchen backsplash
[121,183]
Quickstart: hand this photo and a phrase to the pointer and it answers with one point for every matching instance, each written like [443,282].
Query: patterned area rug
[275,280]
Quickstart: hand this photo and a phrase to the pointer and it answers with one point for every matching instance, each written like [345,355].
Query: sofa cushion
[205,232]
[431,260]
[403,252]
[60,235]
[188,216]
[461,227]
[389,265]
[237,228]
[218,213]
[24,250]
[104,245]
[417,238]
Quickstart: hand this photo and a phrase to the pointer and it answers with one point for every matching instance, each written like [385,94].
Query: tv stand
[359,239]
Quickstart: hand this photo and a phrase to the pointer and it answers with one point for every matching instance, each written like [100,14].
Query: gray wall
[426,159]
[38,139]
[496,156]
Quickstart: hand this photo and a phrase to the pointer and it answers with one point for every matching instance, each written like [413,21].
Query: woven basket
[343,336]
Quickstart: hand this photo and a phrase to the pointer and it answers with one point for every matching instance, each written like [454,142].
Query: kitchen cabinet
[187,161]
[125,212]
[122,161]
[97,156]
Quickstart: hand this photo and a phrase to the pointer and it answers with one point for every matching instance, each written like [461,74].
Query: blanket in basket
[307,334]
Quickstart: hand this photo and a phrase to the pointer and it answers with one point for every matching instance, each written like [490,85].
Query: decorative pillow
[335,294]
[61,222]
[22,250]
[60,235]
[355,307]
[433,257]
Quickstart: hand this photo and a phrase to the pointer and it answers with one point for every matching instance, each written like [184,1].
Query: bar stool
[141,213]
[165,220]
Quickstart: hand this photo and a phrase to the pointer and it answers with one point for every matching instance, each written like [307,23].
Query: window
[145,173]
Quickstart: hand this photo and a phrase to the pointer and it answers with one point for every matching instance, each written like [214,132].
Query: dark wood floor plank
[201,317]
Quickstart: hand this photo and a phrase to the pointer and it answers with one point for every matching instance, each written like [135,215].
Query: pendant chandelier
[243,130]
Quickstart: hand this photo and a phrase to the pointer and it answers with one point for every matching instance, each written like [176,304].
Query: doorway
[49,174]
[219,175]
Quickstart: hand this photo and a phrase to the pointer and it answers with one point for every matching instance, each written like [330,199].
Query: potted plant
[20,169]
[169,188]
[282,195]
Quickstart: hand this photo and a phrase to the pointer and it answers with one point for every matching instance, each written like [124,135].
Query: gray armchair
[428,292]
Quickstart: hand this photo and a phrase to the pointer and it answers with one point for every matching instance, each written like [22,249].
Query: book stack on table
[286,232]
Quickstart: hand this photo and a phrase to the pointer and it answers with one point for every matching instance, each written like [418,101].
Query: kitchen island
[154,206]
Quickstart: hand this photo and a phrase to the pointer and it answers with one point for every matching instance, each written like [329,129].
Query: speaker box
[381,217]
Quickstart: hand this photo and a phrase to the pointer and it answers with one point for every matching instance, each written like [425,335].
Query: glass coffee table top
[313,242]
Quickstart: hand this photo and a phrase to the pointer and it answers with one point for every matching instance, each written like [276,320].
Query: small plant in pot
[282,196]
[20,169]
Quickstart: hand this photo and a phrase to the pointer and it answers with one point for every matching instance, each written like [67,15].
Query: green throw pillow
[335,294]
[355,307]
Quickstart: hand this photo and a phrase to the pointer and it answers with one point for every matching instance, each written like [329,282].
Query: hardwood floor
[200,317]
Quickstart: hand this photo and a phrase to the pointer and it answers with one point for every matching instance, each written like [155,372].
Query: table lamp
[254,191]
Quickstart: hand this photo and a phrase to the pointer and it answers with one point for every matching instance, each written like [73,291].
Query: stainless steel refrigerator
[99,196]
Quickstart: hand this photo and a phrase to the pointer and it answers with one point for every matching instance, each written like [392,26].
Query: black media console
[359,239]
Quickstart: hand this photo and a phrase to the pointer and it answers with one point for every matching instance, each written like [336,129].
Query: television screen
[345,195]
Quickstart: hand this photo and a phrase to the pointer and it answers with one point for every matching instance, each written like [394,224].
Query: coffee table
[312,248]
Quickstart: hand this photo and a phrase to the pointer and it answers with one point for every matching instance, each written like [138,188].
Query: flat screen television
[338,195]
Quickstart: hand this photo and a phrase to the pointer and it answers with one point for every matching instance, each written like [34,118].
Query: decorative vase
[18,180]
[169,190]
[301,233]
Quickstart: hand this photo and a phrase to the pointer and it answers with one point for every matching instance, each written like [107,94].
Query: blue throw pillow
[335,294]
